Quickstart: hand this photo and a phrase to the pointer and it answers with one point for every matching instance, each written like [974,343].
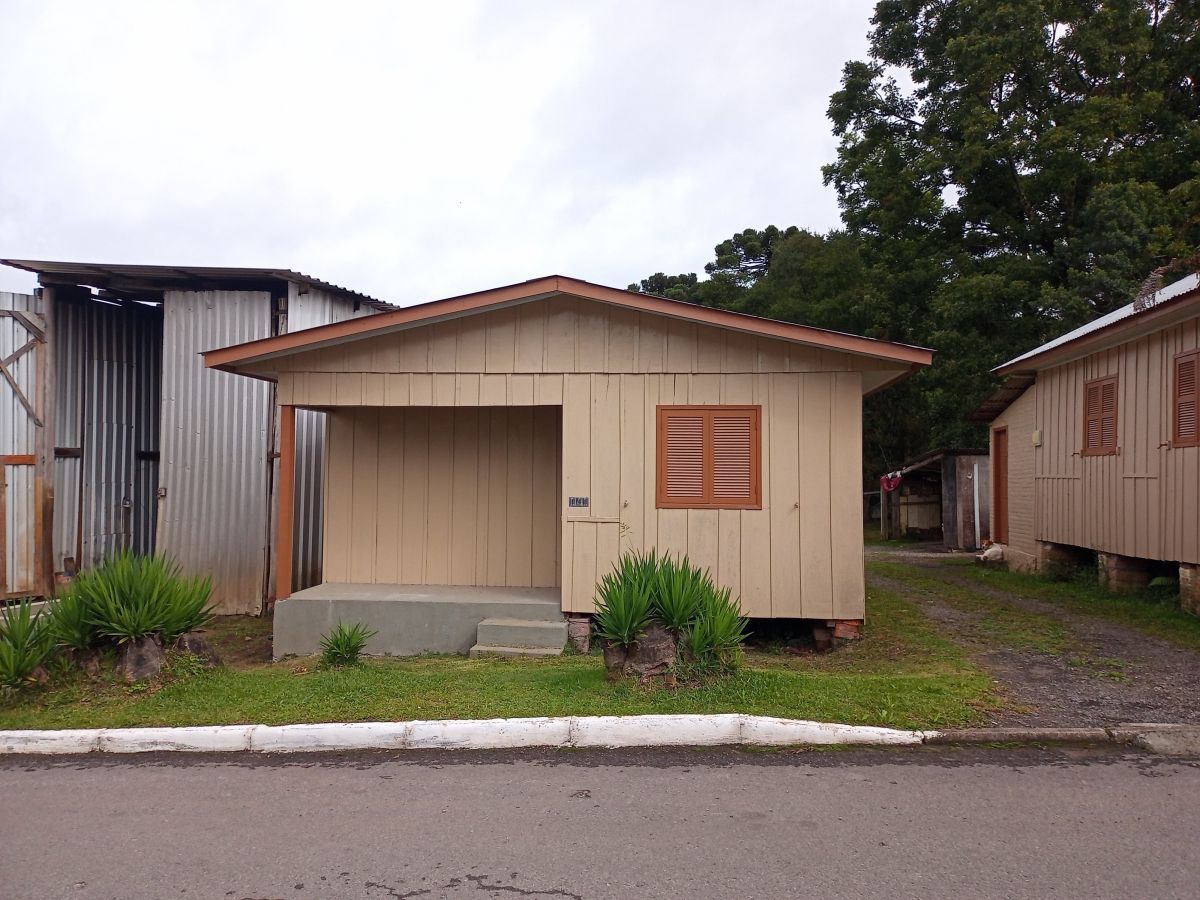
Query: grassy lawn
[903,673]
[998,622]
[1148,613]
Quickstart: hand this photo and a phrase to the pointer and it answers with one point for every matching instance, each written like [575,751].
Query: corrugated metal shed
[121,276]
[213,518]
[125,346]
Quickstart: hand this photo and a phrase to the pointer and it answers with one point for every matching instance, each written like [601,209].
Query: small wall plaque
[577,502]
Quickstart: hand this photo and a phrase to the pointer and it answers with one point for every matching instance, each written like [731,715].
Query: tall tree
[1014,169]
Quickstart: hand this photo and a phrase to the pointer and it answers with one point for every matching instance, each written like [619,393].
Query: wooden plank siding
[1143,501]
[451,495]
[567,334]
[600,374]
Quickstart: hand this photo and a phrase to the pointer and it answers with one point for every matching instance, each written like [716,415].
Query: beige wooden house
[504,447]
[1095,445]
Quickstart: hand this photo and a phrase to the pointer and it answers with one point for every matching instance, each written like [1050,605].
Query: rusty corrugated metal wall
[18,438]
[215,446]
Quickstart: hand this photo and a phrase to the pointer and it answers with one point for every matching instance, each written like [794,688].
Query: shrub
[679,590]
[69,621]
[130,596]
[186,608]
[25,643]
[344,644]
[643,587]
[624,600]
[714,641]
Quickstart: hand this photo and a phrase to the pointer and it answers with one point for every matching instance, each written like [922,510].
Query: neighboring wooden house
[510,444]
[113,435]
[1095,445]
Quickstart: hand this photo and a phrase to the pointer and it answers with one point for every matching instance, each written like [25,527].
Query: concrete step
[532,634]
[480,650]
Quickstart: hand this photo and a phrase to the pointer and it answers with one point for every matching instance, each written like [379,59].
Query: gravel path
[1109,674]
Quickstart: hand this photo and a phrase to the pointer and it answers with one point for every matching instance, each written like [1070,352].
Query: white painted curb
[462,734]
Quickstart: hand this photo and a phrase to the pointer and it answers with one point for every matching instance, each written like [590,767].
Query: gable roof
[1118,326]
[123,276]
[236,357]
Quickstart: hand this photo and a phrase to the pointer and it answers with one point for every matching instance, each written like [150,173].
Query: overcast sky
[414,150]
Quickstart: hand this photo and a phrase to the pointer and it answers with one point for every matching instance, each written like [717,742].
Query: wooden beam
[18,459]
[287,502]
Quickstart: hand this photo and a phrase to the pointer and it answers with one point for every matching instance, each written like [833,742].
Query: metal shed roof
[122,275]
[1115,320]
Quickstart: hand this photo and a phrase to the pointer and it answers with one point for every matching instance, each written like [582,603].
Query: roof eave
[1100,339]
[253,352]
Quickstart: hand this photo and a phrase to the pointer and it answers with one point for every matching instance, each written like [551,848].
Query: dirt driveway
[1052,665]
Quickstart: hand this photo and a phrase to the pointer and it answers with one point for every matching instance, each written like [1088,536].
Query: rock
[579,632]
[615,658]
[196,644]
[652,654]
[88,660]
[141,658]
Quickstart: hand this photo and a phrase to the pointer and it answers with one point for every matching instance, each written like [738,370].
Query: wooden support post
[287,502]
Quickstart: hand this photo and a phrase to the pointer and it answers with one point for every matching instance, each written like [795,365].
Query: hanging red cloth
[890,481]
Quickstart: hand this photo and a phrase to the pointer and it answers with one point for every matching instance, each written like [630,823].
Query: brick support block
[1189,588]
[1123,574]
[846,629]
[579,632]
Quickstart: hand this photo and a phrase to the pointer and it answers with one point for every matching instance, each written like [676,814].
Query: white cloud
[413,151]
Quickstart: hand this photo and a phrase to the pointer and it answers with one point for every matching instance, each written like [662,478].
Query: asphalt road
[718,823]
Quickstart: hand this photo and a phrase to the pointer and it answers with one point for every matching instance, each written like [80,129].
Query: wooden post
[287,502]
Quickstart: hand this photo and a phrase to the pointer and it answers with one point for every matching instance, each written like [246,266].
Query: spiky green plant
[130,596]
[623,600]
[714,640]
[25,643]
[679,589]
[344,644]
[186,607]
[69,620]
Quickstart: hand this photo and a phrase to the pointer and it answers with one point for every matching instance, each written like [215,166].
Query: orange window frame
[1102,447]
[707,500]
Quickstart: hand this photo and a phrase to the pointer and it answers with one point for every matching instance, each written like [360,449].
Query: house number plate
[577,502]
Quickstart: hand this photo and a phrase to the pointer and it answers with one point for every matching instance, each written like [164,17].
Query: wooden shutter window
[1100,417]
[709,457]
[1186,428]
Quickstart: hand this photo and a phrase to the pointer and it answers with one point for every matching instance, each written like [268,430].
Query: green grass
[901,674]
[1151,615]
[873,536]
[997,622]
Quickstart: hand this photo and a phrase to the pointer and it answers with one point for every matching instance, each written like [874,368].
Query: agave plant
[25,643]
[344,644]
[715,638]
[623,603]
[69,620]
[131,596]
[679,590]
